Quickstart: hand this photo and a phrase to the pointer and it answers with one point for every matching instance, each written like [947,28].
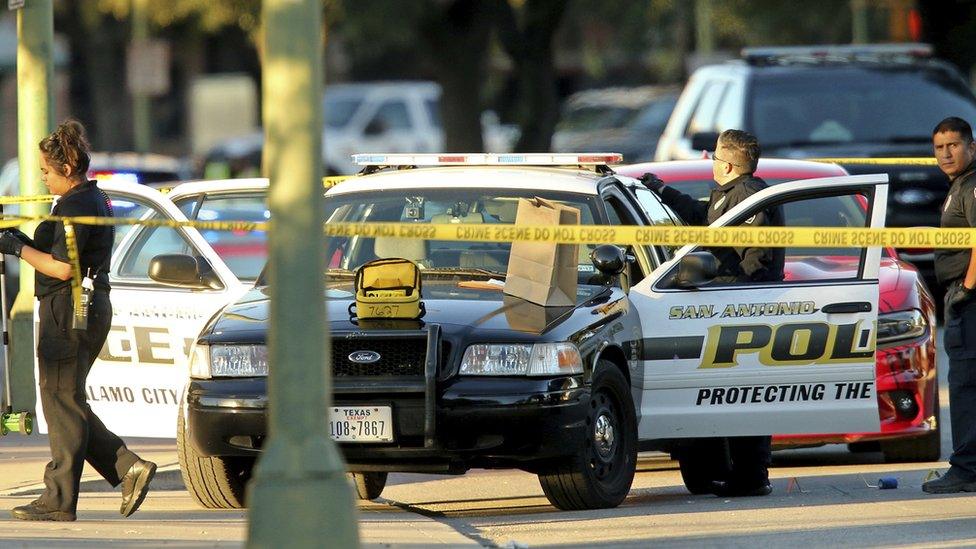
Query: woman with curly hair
[66,350]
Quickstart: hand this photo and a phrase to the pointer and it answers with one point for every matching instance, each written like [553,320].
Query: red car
[907,385]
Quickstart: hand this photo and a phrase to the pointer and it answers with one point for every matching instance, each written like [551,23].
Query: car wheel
[703,461]
[369,485]
[600,474]
[214,482]
[927,447]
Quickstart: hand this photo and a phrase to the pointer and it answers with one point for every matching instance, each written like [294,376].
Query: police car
[652,352]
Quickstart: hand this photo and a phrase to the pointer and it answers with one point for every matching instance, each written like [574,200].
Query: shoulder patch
[719,202]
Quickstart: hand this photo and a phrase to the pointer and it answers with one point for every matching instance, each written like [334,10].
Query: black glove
[652,182]
[10,244]
[22,236]
[958,297]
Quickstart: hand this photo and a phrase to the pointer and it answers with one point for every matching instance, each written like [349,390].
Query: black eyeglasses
[713,157]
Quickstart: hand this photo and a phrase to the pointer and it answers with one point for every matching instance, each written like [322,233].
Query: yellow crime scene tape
[916,161]
[807,237]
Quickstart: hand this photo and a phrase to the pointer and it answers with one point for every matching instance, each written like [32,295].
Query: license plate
[361,424]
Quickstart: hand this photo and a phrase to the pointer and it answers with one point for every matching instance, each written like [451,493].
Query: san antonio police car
[652,352]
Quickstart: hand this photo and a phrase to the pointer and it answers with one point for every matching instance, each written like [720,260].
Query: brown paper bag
[528,317]
[542,272]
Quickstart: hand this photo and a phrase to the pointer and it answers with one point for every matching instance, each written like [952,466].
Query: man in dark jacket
[733,163]
[955,152]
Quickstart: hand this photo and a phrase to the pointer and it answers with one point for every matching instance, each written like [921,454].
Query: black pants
[742,461]
[751,457]
[960,344]
[65,356]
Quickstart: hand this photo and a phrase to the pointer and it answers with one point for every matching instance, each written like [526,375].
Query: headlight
[239,360]
[200,362]
[900,326]
[516,359]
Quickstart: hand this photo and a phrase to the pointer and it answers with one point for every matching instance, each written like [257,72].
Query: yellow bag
[388,288]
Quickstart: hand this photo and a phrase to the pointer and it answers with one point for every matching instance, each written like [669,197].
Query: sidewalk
[169,517]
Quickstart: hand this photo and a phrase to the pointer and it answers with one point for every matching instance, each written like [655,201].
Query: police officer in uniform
[955,152]
[66,350]
[744,471]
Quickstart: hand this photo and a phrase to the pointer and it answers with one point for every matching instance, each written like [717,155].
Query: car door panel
[765,358]
[136,383]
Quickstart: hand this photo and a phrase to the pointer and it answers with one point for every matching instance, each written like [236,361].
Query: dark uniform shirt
[735,264]
[94,242]
[958,212]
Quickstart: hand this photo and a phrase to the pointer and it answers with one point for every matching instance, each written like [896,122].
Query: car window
[433,108]
[392,115]
[855,105]
[127,207]
[820,264]
[244,252]
[654,116]
[704,117]
[422,206]
[658,215]
[619,214]
[150,242]
[729,110]
[339,110]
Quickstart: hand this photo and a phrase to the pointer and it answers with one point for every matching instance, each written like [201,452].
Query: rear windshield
[856,105]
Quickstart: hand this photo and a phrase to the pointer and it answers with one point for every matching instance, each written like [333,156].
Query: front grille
[398,357]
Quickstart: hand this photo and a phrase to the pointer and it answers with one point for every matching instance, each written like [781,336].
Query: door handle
[848,307]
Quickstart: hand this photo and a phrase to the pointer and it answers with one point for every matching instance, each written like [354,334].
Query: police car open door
[137,381]
[793,356]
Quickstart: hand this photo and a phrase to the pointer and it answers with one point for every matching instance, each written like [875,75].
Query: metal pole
[704,42]
[35,117]
[859,22]
[299,496]
[141,120]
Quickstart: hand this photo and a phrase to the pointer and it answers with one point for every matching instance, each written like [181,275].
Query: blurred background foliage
[516,57]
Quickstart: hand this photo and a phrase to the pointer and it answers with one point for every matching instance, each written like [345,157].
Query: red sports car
[907,385]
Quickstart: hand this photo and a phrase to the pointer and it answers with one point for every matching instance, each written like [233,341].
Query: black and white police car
[644,359]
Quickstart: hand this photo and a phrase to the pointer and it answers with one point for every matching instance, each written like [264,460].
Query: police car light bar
[836,52]
[489,159]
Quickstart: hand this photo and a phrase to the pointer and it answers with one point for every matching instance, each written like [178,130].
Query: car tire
[703,461]
[599,476]
[927,447]
[213,482]
[369,486]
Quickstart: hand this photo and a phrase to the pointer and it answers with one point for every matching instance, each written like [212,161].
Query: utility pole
[35,120]
[299,496]
[859,21]
[141,121]
[704,41]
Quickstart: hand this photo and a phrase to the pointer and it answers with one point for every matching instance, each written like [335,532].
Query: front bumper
[903,371]
[477,422]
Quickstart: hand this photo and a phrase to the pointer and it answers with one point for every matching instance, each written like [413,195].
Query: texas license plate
[361,424]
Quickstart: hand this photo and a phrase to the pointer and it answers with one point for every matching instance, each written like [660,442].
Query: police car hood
[450,303]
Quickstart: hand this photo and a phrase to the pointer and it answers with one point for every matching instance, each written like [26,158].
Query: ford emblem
[364,357]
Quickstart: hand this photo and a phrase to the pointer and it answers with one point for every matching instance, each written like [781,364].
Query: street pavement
[822,497]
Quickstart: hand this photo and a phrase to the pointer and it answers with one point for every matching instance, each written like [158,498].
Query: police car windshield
[441,206]
[855,105]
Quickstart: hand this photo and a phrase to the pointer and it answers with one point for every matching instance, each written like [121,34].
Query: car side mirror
[704,141]
[696,269]
[184,271]
[612,262]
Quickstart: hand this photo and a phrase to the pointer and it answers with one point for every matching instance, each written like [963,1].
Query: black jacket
[958,212]
[735,264]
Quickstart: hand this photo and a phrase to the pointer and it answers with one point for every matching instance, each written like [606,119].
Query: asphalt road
[822,497]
